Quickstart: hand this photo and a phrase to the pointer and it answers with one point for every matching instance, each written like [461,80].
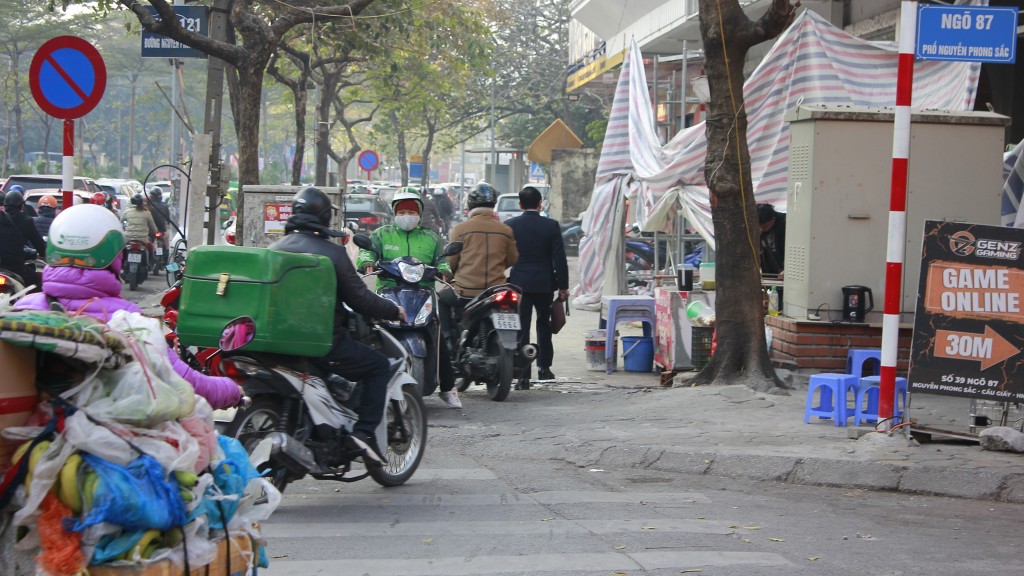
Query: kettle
[854,306]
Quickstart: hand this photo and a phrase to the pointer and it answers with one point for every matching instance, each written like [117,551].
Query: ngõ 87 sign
[969,324]
[967,33]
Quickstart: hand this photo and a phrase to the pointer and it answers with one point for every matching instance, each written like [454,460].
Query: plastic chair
[859,358]
[868,389]
[624,309]
[832,392]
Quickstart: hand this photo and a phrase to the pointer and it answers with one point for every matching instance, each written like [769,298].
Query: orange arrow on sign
[989,348]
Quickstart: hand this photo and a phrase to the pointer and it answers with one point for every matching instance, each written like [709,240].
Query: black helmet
[314,202]
[156,194]
[14,199]
[137,200]
[483,194]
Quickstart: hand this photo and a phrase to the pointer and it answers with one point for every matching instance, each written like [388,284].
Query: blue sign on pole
[967,33]
[415,170]
[192,18]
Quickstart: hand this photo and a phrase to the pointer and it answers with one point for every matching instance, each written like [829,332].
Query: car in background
[50,181]
[32,197]
[508,207]
[366,211]
[121,191]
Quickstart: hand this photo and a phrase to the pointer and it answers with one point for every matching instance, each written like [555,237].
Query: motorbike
[299,419]
[572,233]
[420,333]
[10,283]
[135,268]
[159,253]
[486,350]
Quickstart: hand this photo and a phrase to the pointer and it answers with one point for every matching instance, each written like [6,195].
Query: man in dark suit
[540,271]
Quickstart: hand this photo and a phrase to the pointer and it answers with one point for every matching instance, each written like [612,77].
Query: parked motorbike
[487,351]
[135,268]
[420,333]
[159,253]
[572,233]
[300,419]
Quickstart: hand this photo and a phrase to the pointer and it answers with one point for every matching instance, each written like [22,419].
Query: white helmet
[407,193]
[85,236]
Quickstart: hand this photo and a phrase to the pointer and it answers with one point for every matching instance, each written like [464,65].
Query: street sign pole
[68,168]
[895,247]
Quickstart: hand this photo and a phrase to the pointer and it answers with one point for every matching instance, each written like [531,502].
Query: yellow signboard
[593,70]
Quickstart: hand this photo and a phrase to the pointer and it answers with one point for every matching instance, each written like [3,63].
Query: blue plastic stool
[832,390]
[616,309]
[868,389]
[859,358]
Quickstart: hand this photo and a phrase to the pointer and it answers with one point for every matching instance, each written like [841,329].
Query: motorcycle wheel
[133,279]
[403,456]
[498,389]
[250,426]
[418,371]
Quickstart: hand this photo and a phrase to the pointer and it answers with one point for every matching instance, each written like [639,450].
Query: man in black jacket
[16,231]
[308,231]
[773,240]
[540,270]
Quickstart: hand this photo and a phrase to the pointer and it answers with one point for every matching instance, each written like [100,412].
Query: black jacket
[16,231]
[773,247]
[44,219]
[351,289]
[541,266]
[161,215]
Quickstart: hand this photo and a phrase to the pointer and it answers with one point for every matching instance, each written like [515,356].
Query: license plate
[172,267]
[159,251]
[135,257]
[505,321]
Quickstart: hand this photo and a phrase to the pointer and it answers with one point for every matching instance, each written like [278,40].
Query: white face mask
[407,222]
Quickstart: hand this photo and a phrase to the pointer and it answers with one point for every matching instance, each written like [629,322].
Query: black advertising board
[969,326]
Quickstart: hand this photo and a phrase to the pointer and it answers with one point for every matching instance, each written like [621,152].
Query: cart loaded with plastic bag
[109,462]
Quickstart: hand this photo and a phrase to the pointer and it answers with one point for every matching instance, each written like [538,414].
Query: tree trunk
[741,355]
[250,89]
[402,156]
[427,147]
[19,126]
[323,134]
[301,96]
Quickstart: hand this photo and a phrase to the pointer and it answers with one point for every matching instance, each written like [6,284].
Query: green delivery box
[290,297]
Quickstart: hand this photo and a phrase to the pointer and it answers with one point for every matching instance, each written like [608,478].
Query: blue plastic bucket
[638,353]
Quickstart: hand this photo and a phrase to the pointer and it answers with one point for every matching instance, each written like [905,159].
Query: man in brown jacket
[488,249]
[488,246]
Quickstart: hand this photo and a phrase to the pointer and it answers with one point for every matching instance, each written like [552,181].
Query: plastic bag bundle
[143,392]
[134,497]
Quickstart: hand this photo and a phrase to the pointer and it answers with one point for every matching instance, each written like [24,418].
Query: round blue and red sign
[67,77]
[368,160]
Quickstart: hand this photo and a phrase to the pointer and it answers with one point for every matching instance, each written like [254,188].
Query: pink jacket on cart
[98,294]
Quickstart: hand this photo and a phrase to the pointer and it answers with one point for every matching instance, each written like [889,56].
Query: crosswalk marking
[490,528]
[533,563]
[533,498]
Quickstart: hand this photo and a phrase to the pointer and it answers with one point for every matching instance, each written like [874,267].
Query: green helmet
[85,236]
[407,193]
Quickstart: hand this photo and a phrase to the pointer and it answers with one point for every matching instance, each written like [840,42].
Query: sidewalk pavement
[731,430]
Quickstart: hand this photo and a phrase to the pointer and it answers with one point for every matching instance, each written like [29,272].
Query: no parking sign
[67,78]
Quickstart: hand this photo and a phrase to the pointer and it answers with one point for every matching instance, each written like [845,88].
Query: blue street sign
[536,171]
[368,160]
[967,33]
[192,18]
[415,170]
[67,77]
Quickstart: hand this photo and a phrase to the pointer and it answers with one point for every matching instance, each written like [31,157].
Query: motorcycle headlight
[411,273]
[423,314]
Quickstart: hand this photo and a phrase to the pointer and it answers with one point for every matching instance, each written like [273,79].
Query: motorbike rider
[488,249]
[47,212]
[84,258]
[406,237]
[161,215]
[17,231]
[27,209]
[139,225]
[308,231]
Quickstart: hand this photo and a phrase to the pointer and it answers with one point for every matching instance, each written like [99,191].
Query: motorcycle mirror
[363,241]
[453,248]
[238,333]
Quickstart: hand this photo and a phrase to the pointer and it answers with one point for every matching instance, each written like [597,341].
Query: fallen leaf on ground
[777,539]
[751,527]
[620,548]
[648,528]
[547,519]
[813,558]
[685,570]
[427,540]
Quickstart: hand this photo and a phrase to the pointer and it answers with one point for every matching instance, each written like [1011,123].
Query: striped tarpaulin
[1013,171]
[812,62]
